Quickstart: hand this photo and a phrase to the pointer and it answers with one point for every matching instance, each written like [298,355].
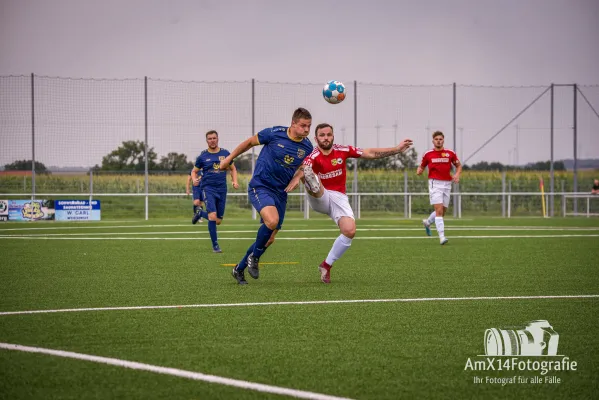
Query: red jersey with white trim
[439,163]
[331,168]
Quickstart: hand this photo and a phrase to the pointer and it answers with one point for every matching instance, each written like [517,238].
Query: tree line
[130,156]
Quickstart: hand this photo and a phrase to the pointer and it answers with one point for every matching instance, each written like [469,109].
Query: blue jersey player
[284,150]
[213,185]
[198,199]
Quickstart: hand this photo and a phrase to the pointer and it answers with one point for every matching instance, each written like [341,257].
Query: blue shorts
[215,202]
[197,193]
[261,198]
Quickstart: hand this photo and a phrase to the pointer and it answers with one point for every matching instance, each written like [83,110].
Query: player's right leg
[198,199]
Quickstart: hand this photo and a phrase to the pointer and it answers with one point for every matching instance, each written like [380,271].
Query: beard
[325,147]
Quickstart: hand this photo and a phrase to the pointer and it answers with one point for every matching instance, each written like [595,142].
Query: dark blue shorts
[215,202]
[197,193]
[261,198]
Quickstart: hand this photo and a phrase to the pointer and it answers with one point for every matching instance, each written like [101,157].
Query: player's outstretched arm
[371,153]
[239,150]
[187,192]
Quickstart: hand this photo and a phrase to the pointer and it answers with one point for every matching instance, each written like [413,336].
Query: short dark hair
[438,133]
[211,132]
[301,113]
[322,126]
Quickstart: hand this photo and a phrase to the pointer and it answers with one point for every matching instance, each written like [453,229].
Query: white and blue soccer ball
[334,92]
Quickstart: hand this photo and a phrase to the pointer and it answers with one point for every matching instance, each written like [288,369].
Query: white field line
[174,372]
[223,231]
[64,237]
[287,303]
[256,224]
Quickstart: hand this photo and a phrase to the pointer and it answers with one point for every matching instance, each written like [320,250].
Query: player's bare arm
[187,192]
[373,153]
[194,176]
[239,150]
[458,166]
[299,175]
[233,171]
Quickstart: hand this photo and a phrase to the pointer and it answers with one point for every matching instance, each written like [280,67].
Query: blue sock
[244,261]
[264,234]
[203,214]
[195,209]
[212,230]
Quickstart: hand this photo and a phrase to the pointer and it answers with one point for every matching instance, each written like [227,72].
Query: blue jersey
[279,158]
[209,165]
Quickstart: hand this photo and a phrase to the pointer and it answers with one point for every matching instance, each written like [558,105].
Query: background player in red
[439,161]
[326,165]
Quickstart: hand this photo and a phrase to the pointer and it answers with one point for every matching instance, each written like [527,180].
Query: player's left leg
[215,219]
[343,216]
[312,183]
[441,209]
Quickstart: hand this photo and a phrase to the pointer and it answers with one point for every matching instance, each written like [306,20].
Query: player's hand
[196,182]
[235,185]
[405,144]
[293,184]
[224,164]
[419,171]
[456,178]
[187,192]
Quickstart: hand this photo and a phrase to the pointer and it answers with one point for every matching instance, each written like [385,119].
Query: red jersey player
[324,175]
[439,161]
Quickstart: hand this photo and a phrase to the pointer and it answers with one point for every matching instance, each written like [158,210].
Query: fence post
[410,206]
[563,198]
[91,185]
[503,195]
[146,144]
[509,200]
[32,136]
[405,190]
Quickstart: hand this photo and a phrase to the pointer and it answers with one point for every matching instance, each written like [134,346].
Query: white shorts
[332,203]
[439,191]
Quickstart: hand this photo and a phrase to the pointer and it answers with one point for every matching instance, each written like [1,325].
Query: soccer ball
[334,92]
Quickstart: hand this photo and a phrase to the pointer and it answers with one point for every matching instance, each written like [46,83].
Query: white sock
[440,226]
[431,218]
[340,246]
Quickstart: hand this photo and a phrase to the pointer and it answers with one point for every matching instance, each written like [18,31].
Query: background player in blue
[213,185]
[198,199]
[284,150]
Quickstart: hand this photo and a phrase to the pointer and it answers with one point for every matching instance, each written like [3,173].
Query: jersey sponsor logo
[216,165]
[333,174]
[301,153]
[440,160]
[337,161]
[288,159]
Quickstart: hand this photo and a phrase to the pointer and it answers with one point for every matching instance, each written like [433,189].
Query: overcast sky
[425,42]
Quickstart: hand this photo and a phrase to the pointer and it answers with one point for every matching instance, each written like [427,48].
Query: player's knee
[197,203]
[212,217]
[271,223]
[349,231]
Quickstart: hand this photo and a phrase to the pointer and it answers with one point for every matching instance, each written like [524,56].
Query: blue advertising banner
[30,210]
[77,210]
